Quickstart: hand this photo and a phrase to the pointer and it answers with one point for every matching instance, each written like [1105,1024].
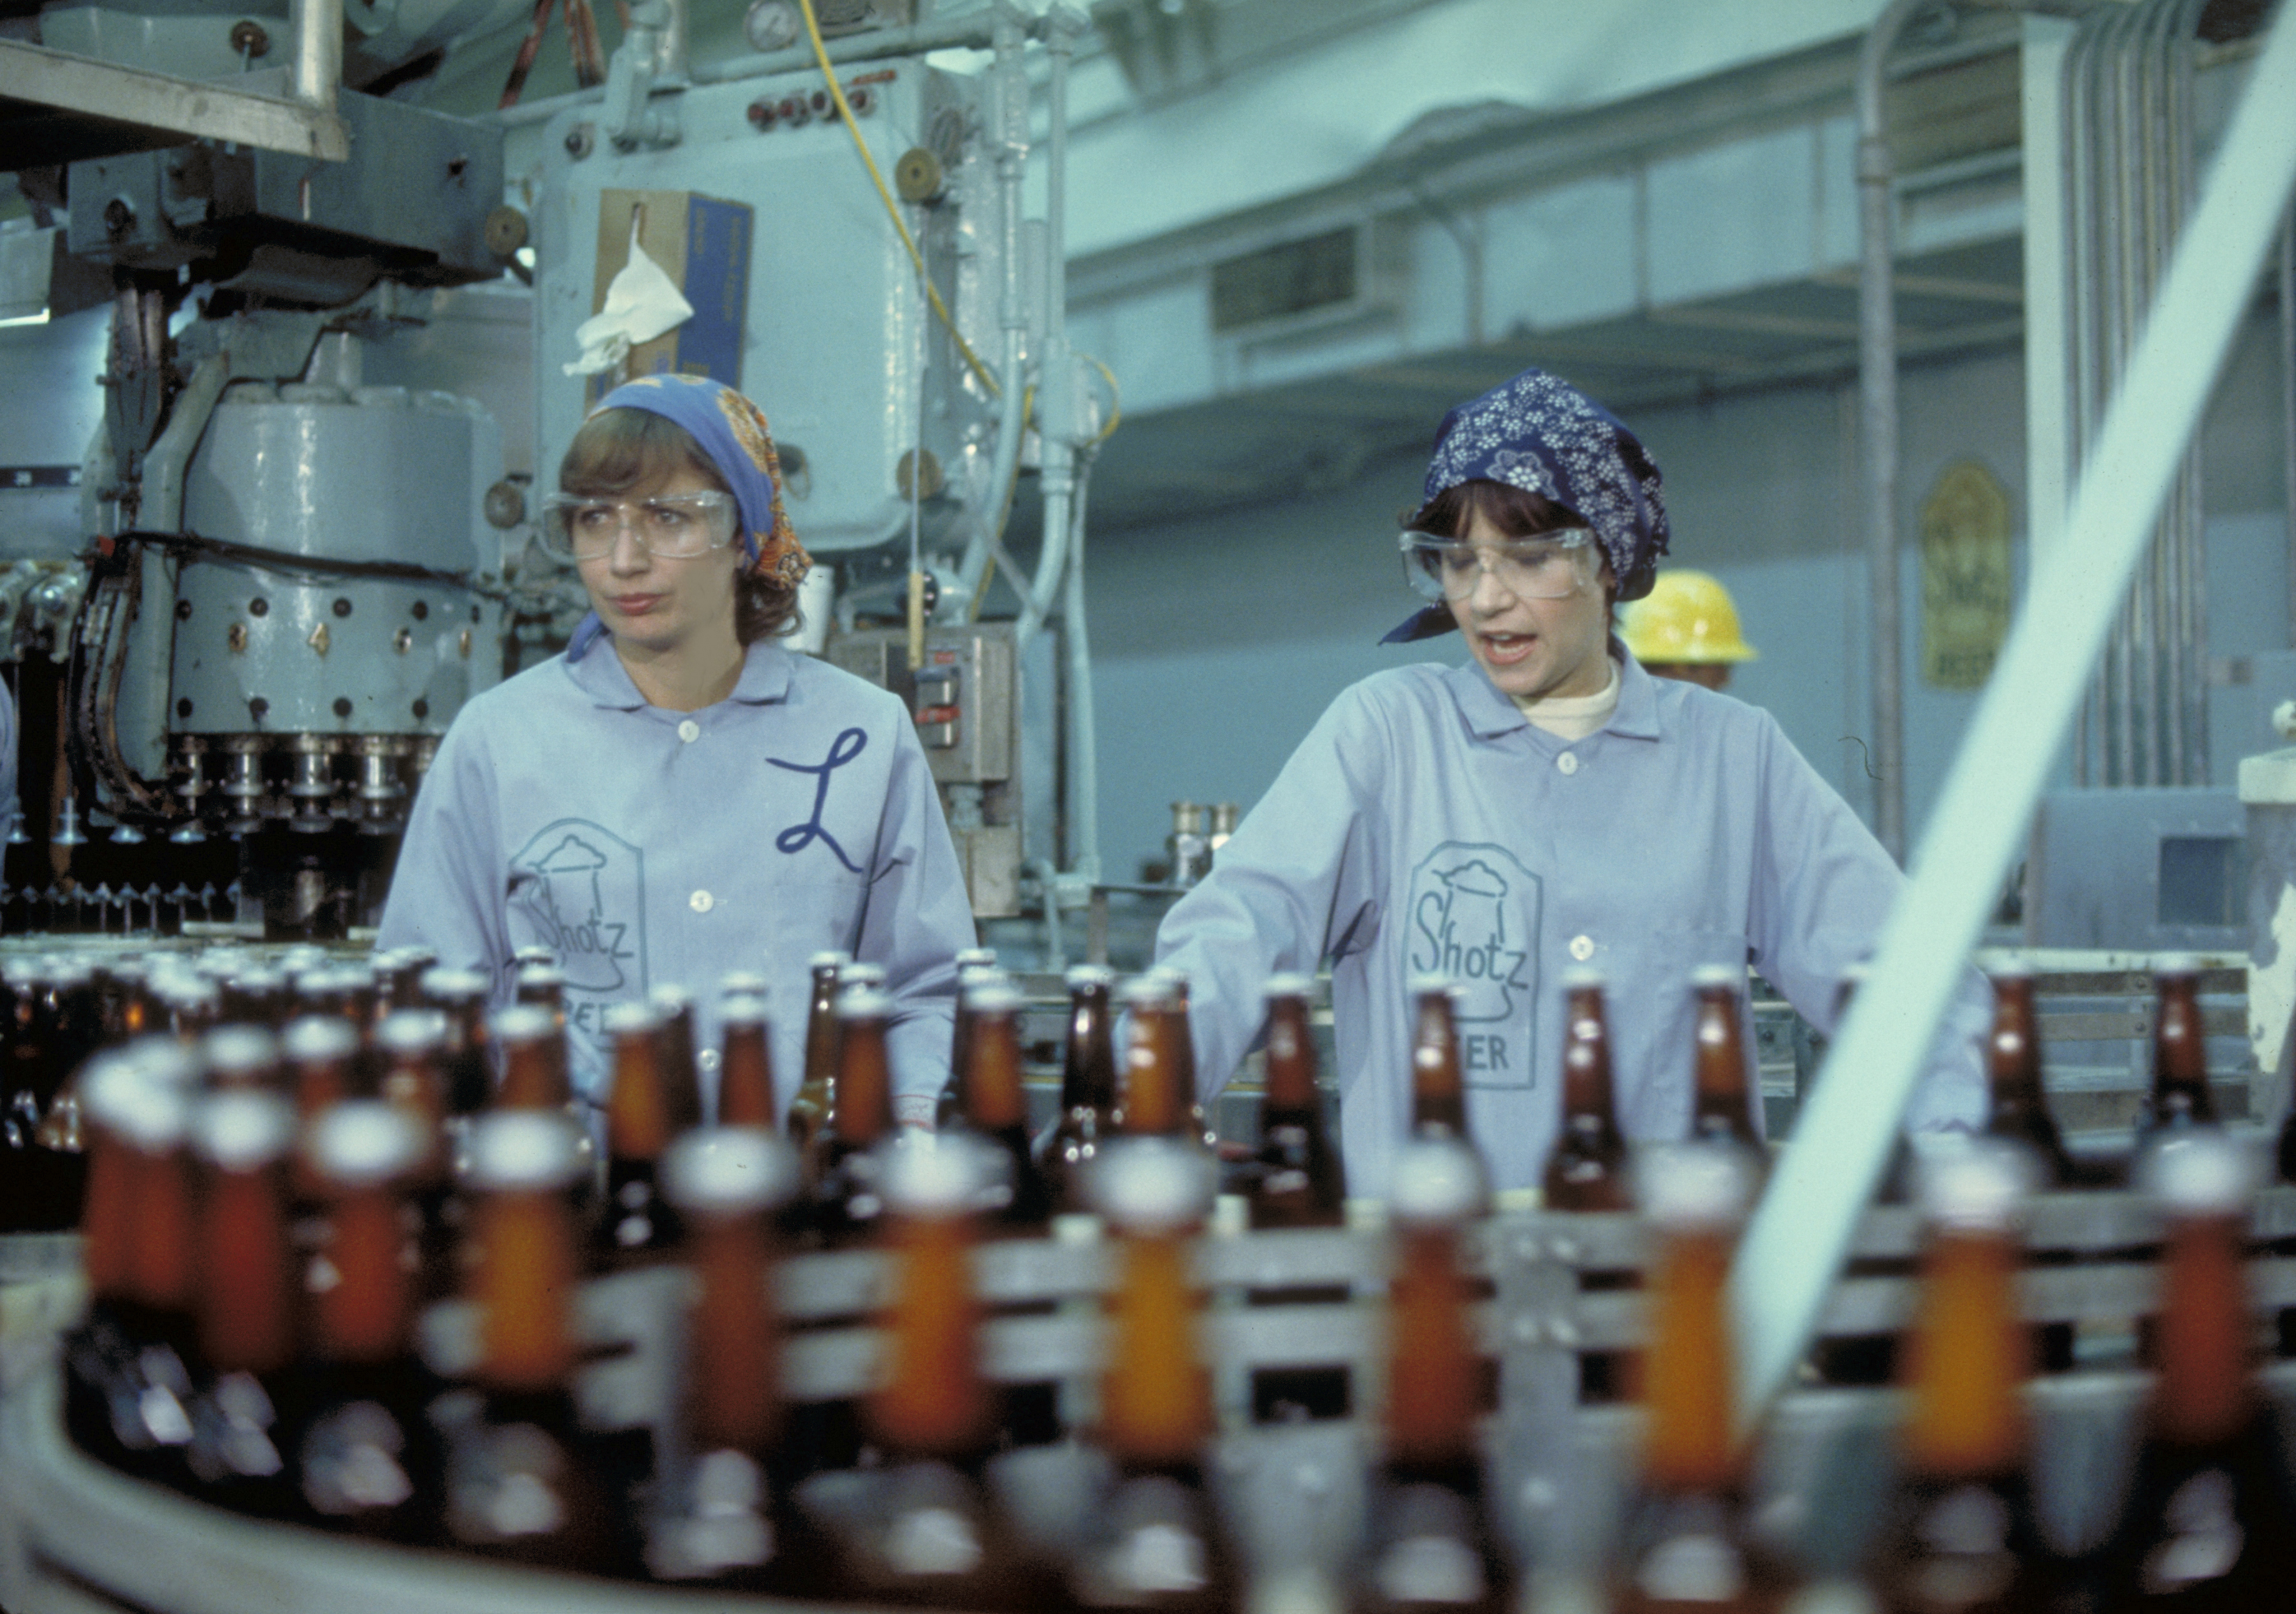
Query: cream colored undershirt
[1573,717]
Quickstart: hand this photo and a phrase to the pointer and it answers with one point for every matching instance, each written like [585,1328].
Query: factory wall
[1219,641]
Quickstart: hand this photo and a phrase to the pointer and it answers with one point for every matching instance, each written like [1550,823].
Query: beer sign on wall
[1966,581]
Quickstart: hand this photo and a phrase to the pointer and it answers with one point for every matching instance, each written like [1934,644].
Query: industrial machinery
[301,540]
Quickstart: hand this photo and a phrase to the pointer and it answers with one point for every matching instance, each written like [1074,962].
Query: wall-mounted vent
[1283,282]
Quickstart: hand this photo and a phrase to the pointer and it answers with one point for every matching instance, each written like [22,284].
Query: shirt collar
[1488,713]
[765,671]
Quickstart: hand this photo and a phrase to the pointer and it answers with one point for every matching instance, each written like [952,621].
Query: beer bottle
[543,987]
[972,964]
[1722,1105]
[639,1227]
[725,1512]
[816,1093]
[1588,1169]
[1439,1092]
[2180,1096]
[1687,1545]
[534,1059]
[1961,1536]
[461,996]
[847,1198]
[1182,1045]
[745,1068]
[398,979]
[191,1005]
[519,1484]
[935,1538]
[368,1457]
[676,1067]
[322,1052]
[1157,1543]
[341,991]
[1152,1103]
[995,1106]
[256,995]
[2207,1522]
[52,1031]
[533,953]
[2017,1104]
[129,1387]
[246,1291]
[1087,1088]
[1299,1182]
[1431,1542]
[412,1043]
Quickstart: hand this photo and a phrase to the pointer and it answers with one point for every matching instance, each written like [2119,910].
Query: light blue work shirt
[1426,826]
[647,846]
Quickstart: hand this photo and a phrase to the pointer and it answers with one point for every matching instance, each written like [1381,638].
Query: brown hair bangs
[1516,511]
[618,450]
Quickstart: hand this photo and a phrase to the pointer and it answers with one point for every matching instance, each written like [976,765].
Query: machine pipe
[1056,411]
[1011,419]
[1794,1247]
[318,27]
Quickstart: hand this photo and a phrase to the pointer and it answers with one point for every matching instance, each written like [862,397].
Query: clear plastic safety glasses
[677,526]
[1550,566]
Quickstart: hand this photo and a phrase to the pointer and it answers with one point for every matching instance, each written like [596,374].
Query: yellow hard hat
[1685,619]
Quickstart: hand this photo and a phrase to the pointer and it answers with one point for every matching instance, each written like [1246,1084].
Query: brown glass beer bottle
[461,996]
[1722,1103]
[1589,1168]
[533,1058]
[1439,1091]
[972,963]
[816,1093]
[1151,1103]
[676,1062]
[2180,1096]
[848,1201]
[368,1456]
[1157,1540]
[1299,1181]
[639,1227]
[996,1106]
[1431,1543]
[1089,1095]
[2017,1104]
[1961,1537]
[745,1065]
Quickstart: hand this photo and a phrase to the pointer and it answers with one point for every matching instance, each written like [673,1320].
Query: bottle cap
[829,960]
[1975,1183]
[931,1174]
[863,1003]
[1578,977]
[1088,975]
[630,1019]
[364,1143]
[2010,969]
[315,1039]
[524,1149]
[730,1169]
[137,1092]
[743,983]
[1438,1180]
[2201,1173]
[742,1008]
[533,954]
[971,977]
[1693,1185]
[861,972]
[412,1031]
[996,997]
[970,958]
[258,980]
[541,976]
[1149,991]
[521,1023]
[1288,983]
[453,986]
[242,1130]
[671,998]
[2176,964]
[1422,986]
[1152,1185]
[1733,976]
[240,1051]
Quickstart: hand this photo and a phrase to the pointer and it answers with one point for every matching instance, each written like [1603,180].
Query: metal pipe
[1794,1247]
[1056,412]
[674,50]
[318,27]
[1083,731]
[969,31]
[1011,419]
[1877,391]
[2288,395]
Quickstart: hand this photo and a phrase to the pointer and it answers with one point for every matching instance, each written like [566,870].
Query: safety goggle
[1550,566]
[676,526]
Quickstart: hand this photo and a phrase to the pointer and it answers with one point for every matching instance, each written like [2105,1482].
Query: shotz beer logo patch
[1473,910]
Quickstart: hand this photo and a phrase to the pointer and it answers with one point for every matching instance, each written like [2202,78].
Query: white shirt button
[689,730]
[702,902]
[1582,947]
[707,1058]
[1568,762]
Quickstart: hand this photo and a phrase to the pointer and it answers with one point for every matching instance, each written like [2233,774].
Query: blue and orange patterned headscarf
[731,431]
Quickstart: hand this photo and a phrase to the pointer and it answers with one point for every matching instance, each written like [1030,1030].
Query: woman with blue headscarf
[1547,806]
[677,796]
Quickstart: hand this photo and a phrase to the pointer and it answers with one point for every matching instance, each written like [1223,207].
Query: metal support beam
[306,127]
[1794,1248]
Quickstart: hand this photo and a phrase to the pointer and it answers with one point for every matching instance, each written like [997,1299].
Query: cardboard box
[701,242]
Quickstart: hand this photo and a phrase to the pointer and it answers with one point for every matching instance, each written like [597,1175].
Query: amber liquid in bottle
[1722,1099]
[368,1459]
[1687,1545]
[1588,1169]
[974,966]
[1439,1092]
[520,1484]
[995,1105]
[745,1066]
[2017,1107]
[1961,1537]
[1152,1103]
[816,1094]
[1157,1544]
[1431,1543]
[2207,1522]
[847,1201]
[938,1538]
[2180,1096]
[1088,1088]
[237,1453]
[639,1227]
[725,1515]
[1295,1180]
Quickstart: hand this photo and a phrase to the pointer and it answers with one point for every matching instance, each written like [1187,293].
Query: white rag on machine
[641,304]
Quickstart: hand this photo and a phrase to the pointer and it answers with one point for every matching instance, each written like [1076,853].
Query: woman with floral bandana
[678,795]
[1548,806]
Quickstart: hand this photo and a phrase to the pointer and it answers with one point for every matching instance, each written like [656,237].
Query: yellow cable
[933,293]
